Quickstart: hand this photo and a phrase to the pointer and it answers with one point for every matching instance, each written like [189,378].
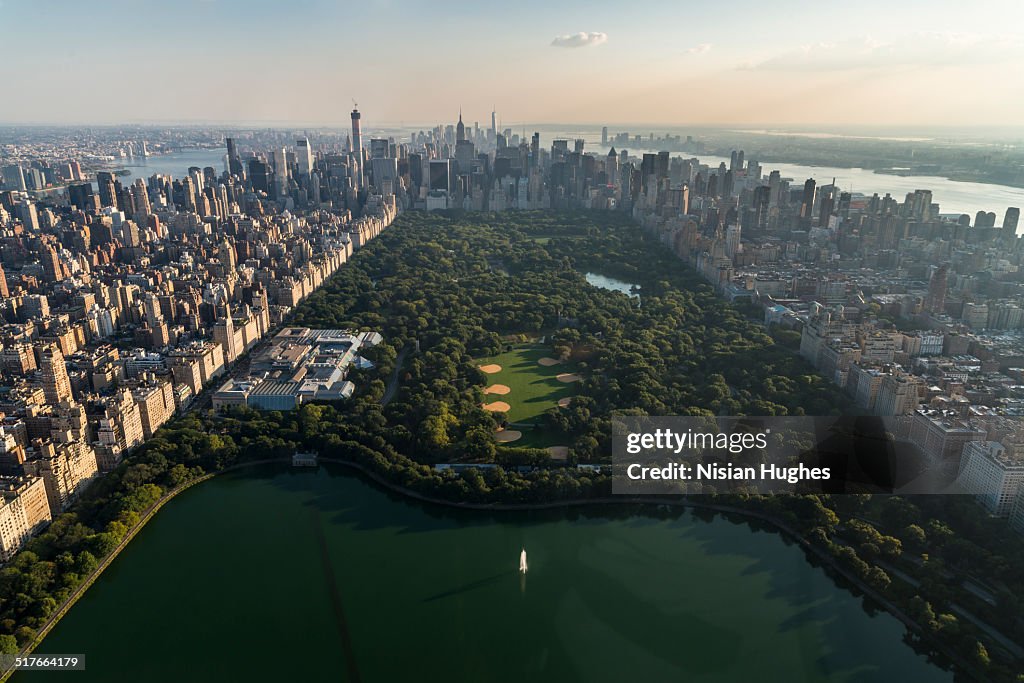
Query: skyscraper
[357,148]
[936,301]
[774,188]
[648,164]
[281,172]
[224,334]
[80,195]
[29,215]
[56,384]
[807,202]
[379,148]
[52,268]
[733,240]
[415,168]
[728,181]
[827,203]
[259,172]
[921,204]
[140,199]
[235,167]
[105,185]
[762,200]
[661,166]
[460,129]
[14,178]
[1011,219]
[304,156]
[611,167]
[440,172]
[464,154]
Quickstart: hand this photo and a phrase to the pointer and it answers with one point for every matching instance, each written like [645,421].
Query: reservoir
[315,575]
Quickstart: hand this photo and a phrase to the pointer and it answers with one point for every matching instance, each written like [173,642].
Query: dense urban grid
[123,302]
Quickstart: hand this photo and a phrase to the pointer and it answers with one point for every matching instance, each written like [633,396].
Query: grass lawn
[544,239]
[534,388]
[539,438]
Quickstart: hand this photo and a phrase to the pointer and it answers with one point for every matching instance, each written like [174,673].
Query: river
[276,574]
[175,163]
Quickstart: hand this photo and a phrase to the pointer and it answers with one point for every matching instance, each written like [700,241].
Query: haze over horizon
[305,62]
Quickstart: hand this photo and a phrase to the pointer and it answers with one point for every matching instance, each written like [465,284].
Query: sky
[672,62]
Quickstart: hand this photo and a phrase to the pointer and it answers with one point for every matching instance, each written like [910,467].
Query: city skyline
[717,311]
[584,63]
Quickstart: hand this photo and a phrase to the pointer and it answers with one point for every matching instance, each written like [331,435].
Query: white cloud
[923,49]
[699,49]
[581,39]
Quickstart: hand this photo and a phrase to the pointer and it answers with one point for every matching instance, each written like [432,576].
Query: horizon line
[737,127]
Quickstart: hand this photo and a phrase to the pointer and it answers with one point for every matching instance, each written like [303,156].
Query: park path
[392,388]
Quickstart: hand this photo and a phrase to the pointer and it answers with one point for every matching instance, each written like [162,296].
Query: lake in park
[613,284]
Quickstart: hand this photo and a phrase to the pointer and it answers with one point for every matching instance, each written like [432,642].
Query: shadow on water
[335,495]
[337,608]
[469,586]
[342,495]
[799,589]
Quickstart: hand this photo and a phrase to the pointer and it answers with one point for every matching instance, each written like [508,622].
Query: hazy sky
[743,62]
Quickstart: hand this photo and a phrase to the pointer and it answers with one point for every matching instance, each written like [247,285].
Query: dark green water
[318,576]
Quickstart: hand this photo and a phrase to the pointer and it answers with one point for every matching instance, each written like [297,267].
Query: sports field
[528,386]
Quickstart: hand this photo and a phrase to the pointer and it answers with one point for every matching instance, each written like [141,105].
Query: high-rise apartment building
[807,200]
[936,301]
[992,473]
[357,147]
[304,156]
[24,511]
[1011,219]
[67,468]
[56,384]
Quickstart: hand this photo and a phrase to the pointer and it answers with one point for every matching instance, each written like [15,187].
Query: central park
[505,354]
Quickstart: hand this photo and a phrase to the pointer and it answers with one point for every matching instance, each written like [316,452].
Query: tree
[479,445]
[8,644]
[914,536]
[920,610]
[981,655]
[878,578]
[434,429]
[85,563]
[890,546]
